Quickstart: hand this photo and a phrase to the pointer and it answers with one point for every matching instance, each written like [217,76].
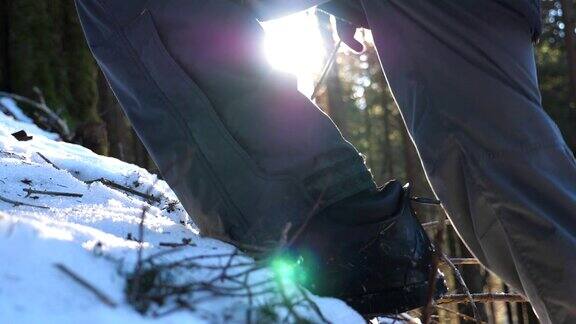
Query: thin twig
[326,69]
[141,239]
[438,240]
[100,295]
[304,225]
[287,303]
[481,298]
[435,223]
[462,284]
[115,185]
[249,248]
[464,261]
[40,95]
[19,203]
[48,161]
[50,193]
[145,208]
[250,299]
[312,304]
[464,316]
[174,244]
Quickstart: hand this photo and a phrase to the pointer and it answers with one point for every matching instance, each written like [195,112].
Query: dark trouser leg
[464,77]
[243,150]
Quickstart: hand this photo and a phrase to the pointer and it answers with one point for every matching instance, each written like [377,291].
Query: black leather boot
[370,251]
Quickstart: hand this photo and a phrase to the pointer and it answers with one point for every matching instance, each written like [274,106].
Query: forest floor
[70,223]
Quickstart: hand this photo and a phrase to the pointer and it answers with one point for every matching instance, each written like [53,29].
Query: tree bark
[82,83]
[388,167]
[569,41]
[120,137]
[4,41]
[335,105]
[368,135]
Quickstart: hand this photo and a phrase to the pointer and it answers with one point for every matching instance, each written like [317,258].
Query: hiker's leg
[464,77]
[244,151]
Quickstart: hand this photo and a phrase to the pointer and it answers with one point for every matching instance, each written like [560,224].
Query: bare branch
[463,285]
[481,298]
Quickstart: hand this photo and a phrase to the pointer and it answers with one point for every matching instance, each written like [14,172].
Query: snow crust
[19,121]
[91,235]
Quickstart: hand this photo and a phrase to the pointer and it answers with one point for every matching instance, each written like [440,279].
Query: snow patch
[19,121]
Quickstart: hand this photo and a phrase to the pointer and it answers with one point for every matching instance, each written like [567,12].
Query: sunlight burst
[293,44]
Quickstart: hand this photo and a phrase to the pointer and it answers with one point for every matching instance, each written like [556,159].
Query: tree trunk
[33,49]
[335,105]
[82,83]
[4,41]
[388,167]
[119,132]
[42,46]
[569,40]
[368,136]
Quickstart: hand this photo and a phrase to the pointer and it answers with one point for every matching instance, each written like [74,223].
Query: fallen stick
[174,244]
[51,193]
[100,295]
[481,298]
[117,186]
[19,203]
[48,161]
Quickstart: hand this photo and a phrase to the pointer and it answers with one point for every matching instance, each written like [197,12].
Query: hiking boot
[370,251]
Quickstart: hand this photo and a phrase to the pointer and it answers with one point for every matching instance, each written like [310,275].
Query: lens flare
[288,270]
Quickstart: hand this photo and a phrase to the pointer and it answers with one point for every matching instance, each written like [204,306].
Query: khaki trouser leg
[243,150]
[464,77]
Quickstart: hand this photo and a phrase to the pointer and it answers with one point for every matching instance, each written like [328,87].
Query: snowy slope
[19,121]
[93,236]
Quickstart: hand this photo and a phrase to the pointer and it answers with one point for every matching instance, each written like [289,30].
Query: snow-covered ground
[94,235]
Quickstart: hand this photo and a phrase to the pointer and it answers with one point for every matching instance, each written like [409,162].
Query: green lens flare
[288,270]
